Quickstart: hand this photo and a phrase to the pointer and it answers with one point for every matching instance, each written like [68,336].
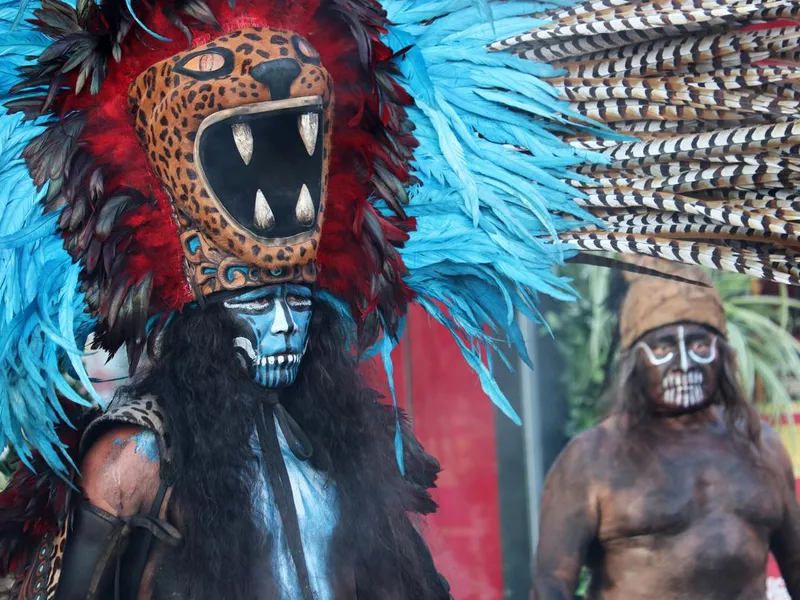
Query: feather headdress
[701,101]
[665,128]
[428,197]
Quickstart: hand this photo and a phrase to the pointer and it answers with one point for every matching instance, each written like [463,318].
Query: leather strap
[298,441]
[89,556]
[92,562]
[138,551]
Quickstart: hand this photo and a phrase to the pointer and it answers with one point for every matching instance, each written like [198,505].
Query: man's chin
[274,379]
[663,409]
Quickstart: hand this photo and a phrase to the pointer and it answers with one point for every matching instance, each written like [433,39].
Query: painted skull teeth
[683,389]
[280,359]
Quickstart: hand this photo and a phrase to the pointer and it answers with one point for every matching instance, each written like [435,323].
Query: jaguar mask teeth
[243,138]
[304,209]
[263,163]
[308,126]
[263,216]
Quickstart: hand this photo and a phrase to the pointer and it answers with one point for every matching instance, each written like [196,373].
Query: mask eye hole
[306,52]
[205,63]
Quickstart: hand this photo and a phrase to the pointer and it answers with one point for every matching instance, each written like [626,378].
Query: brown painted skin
[679,513]
[122,482]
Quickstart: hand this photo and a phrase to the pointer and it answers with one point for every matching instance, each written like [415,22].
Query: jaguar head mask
[238,130]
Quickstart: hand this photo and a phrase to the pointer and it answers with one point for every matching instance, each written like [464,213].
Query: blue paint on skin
[316,502]
[146,444]
[277,319]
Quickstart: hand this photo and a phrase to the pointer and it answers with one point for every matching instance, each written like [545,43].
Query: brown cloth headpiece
[652,302]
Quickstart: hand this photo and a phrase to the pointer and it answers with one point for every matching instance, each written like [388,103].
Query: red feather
[362,124]
[34,504]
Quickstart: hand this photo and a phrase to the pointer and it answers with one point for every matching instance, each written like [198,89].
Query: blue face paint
[277,319]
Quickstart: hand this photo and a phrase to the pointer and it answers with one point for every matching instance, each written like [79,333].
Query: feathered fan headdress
[702,104]
[425,193]
[452,172]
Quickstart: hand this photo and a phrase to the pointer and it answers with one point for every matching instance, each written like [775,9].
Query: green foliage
[585,356]
[759,329]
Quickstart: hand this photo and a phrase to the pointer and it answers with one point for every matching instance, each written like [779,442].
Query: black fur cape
[209,404]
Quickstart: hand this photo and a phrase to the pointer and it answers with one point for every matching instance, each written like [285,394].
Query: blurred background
[485,533]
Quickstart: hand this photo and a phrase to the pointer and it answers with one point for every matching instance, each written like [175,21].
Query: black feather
[620,265]
[113,209]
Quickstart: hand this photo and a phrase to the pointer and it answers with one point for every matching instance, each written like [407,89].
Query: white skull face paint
[276,320]
[680,366]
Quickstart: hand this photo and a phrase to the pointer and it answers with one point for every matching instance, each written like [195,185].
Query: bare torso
[682,511]
[690,524]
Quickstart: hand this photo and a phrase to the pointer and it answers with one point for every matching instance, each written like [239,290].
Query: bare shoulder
[772,447]
[602,437]
[774,452]
[586,453]
[121,470]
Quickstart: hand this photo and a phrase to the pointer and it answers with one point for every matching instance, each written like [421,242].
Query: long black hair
[209,404]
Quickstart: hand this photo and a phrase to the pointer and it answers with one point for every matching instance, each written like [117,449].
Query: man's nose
[283,323]
[682,362]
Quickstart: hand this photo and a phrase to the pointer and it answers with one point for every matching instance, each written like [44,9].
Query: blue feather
[139,22]
[43,318]
[386,356]
[488,215]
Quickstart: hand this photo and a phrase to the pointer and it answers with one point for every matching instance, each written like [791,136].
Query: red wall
[454,420]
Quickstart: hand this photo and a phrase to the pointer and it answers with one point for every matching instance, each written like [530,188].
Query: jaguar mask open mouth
[263,163]
[239,132]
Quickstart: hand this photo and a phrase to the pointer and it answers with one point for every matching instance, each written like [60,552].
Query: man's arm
[568,522]
[785,541]
[121,471]
[120,478]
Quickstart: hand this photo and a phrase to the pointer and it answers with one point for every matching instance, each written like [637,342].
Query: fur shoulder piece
[143,412]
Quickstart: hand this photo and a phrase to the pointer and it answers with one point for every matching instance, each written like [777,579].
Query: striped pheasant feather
[676,225]
[664,203]
[611,95]
[638,22]
[703,254]
[723,79]
[708,96]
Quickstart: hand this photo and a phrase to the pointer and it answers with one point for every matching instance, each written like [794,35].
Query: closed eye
[298,301]
[662,349]
[259,305]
